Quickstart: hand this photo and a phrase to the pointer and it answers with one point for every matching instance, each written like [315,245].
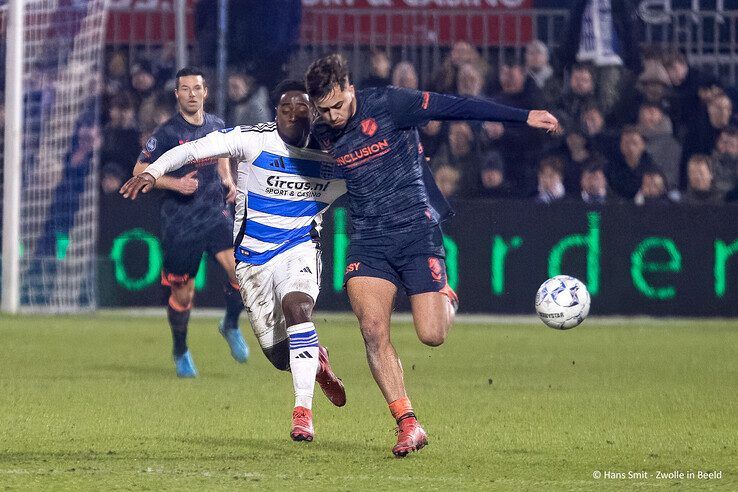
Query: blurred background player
[194,219]
[283,190]
[396,210]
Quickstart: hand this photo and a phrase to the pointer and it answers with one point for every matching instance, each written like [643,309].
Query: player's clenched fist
[544,120]
[139,183]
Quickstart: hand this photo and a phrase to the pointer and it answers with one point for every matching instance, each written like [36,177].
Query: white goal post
[53,74]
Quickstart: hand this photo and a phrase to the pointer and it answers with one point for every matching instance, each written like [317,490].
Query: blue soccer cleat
[185,366]
[239,347]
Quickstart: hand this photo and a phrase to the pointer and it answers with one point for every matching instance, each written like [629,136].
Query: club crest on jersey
[369,127]
[151,144]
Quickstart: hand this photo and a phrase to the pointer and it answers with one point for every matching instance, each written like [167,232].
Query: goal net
[62,80]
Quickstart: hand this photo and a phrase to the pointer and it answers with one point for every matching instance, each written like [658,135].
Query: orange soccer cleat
[302,424]
[331,385]
[410,437]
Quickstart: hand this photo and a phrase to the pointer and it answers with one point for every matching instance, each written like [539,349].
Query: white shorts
[264,286]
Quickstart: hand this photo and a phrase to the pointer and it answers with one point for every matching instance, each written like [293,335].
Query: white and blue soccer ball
[562,302]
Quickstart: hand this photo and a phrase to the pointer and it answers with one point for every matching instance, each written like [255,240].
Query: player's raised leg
[432,300]
[228,327]
[372,300]
[178,314]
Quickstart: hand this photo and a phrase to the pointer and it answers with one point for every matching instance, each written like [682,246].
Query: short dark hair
[324,74]
[593,164]
[187,71]
[554,162]
[672,58]
[286,86]
[632,129]
[583,66]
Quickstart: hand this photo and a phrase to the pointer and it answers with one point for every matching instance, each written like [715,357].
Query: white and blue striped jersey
[282,191]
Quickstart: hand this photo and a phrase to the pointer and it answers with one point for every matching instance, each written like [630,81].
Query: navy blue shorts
[182,254]
[413,261]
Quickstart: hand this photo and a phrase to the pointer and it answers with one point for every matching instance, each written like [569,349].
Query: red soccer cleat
[302,424]
[410,437]
[331,385]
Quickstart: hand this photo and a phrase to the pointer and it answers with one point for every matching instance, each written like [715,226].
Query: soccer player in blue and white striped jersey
[283,189]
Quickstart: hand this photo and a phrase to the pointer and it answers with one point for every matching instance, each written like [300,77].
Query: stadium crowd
[663,132]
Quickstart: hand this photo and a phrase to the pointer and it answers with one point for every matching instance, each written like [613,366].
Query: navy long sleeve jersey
[388,182]
[183,215]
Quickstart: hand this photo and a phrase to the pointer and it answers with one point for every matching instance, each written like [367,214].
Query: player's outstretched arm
[412,108]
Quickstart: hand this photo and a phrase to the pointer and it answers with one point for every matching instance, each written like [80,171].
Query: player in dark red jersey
[395,210]
[194,219]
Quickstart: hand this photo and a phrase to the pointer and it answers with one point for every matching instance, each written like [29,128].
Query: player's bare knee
[434,333]
[183,295]
[433,339]
[297,308]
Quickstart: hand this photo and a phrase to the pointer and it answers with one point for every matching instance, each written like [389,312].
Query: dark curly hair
[325,73]
[286,86]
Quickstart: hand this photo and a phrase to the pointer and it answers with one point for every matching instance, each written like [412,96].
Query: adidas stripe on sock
[303,362]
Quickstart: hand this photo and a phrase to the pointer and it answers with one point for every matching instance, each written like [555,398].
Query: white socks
[303,362]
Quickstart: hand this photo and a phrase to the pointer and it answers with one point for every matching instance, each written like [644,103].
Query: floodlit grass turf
[93,403]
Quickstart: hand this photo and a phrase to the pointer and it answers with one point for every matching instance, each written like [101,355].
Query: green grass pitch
[92,403]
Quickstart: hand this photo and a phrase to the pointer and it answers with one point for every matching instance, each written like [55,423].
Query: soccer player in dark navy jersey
[396,210]
[194,218]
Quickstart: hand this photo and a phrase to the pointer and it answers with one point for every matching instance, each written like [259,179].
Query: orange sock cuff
[401,407]
[177,306]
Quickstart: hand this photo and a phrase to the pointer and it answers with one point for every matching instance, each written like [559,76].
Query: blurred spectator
[725,160]
[662,147]
[155,110]
[593,183]
[431,137]
[492,178]
[469,81]
[577,153]
[447,179]
[445,79]
[714,114]
[379,70]
[143,81]
[405,75]
[626,169]
[248,102]
[653,188]
[550,180]
[121,112]
[700,187]
[654,83]
[686,82]
[120,146]
[603,33]
[538,69]
[579,94]
[517,143]
[461,152]
[652,86]
[117,77]
[600,138]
